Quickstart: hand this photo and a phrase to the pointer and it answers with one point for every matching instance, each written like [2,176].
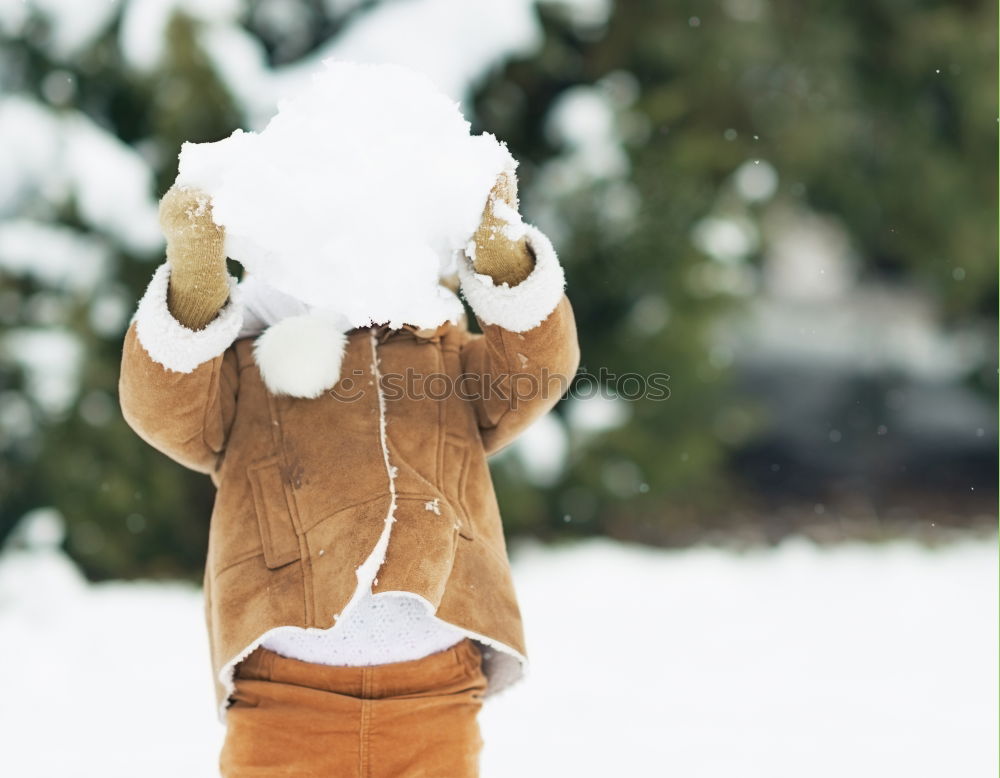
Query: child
[358,594]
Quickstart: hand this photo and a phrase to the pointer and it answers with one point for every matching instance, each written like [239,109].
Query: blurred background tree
[786,207]
[731,114]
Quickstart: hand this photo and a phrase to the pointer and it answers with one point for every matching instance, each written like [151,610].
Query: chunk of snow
[30,136]
[55,255]
[342,6]
[586,14]
[543,449]
[727,239]
[756,180]
[69,25]
[453,42]
[459,43]
[51,360]
[142,34]
[58,156]
[587,122]
[41,528]
[357,195]
[113,184]
[583,121]
[514,228]
[597,413]
[110,310]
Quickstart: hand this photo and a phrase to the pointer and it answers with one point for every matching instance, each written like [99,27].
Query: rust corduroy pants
[398,720]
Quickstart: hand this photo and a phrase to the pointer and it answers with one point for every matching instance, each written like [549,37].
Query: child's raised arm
[178,381]
[528,353]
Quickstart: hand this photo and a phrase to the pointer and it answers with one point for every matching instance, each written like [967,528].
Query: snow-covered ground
[847,661]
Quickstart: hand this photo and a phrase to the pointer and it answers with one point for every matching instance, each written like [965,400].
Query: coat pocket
[456,471]
[274,519]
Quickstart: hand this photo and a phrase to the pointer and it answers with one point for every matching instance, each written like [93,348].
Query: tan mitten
[199,284]
[500,246]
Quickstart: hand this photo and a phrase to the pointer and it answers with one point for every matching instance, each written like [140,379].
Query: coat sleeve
[528,353]
[177,387]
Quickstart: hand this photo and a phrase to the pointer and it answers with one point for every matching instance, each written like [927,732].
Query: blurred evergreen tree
[880,113]
[129,511]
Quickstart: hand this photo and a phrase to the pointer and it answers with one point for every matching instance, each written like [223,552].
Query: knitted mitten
[199,284]
[500,248]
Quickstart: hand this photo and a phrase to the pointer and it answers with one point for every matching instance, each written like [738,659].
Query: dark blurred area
[787,206]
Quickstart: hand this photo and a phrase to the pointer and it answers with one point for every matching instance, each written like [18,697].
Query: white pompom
[301,355]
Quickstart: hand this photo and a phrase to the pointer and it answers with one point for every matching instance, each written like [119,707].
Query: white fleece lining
[522,307]
[170,343]
[499,677]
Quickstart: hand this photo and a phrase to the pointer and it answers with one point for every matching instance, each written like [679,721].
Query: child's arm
[198,285]
[528,353]
[178,381]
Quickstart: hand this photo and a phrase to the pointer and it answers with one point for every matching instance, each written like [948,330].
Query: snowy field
[850,661]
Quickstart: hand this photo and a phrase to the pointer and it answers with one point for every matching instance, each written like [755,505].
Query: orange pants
[398,720]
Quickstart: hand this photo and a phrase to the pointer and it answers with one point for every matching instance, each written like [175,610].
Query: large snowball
[356,196]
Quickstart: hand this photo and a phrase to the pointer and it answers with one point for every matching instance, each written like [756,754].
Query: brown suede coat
[304,486]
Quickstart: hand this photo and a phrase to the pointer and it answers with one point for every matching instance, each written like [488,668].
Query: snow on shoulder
[357,195]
